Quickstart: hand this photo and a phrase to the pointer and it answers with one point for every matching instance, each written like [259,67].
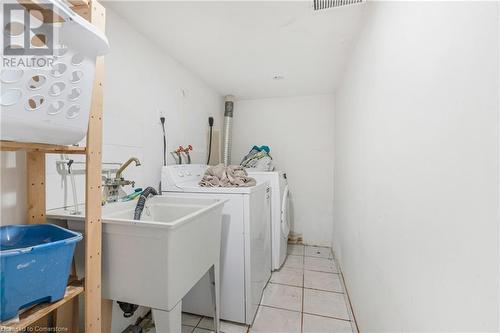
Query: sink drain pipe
[129,308]
[228,128]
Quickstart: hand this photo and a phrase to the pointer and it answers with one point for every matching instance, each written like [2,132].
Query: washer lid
[193,187]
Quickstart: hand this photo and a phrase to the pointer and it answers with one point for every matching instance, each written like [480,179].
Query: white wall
[416,172]
[299,131]
[139,79]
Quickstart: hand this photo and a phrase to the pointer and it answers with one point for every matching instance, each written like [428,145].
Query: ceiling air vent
[326,4]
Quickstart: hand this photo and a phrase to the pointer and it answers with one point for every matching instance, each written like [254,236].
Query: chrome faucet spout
[112,187]
[125,165]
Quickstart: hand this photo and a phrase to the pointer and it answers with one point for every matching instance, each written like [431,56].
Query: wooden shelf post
[36,187]
[65,312]
[95,14]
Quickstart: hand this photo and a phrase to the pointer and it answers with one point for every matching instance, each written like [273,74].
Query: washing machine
[280,212]
[245,259]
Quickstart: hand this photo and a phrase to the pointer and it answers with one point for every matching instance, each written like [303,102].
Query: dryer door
[285,213]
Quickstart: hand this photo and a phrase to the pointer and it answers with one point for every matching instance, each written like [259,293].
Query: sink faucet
[112,186]
[125,165]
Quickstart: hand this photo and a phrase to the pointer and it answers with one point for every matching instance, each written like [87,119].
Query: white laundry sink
[154,262]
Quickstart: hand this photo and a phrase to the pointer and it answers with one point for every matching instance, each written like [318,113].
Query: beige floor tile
[202,330]
[293,261]
[295,249]
[187,329]
[225,326]
[288,276]
[229,327]
[190,319]
[283,297]
[320,264]
[316,324]
[270,320]
[207,323]
[323,281]
[325,304]
[320,252]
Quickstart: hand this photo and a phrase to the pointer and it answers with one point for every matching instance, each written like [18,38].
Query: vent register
[327,4]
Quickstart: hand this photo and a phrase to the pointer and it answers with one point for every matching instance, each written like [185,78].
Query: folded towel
[230,176]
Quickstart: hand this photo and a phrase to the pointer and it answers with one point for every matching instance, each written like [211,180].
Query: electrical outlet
[161,113]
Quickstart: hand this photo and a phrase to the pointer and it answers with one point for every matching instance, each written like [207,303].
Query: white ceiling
[237,47]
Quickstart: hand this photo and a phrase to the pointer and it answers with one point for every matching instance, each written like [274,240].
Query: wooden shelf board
[39,311]
[78,2]
[41,147]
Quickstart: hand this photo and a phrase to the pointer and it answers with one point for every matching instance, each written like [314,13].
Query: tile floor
[197,324]
[305,296]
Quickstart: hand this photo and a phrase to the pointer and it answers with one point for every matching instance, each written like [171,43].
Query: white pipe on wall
[228,127]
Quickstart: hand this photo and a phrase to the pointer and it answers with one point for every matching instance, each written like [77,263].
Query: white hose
[73,189]
[75,199]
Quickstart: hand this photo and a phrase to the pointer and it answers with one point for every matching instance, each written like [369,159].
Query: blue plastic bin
[35,264]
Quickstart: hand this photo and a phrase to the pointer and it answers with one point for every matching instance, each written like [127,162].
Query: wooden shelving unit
[38,312]
[40,147]
[64,313]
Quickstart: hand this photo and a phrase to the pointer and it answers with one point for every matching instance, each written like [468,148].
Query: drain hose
[129,308]
[142,201]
